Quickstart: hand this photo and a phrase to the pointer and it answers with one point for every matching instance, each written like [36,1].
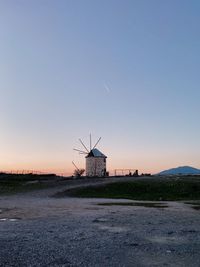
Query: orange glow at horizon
[68,169]
[58,159]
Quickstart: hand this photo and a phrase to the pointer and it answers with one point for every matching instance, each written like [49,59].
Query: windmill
[95,159]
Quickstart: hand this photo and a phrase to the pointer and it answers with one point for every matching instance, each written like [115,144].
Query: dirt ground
[37,229]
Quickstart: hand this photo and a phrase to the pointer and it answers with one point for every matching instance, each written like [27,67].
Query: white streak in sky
[107,88]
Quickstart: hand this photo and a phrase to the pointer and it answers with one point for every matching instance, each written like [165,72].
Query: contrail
[107,88]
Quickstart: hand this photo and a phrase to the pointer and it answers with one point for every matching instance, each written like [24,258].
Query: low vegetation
[148,189]
[15,183]
[152,189]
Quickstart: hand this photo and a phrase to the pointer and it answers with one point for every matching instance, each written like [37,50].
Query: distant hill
[184,170]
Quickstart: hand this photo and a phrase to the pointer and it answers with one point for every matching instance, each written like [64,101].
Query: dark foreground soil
[39,230]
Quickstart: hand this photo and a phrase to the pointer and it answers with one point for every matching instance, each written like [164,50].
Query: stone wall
[95,166]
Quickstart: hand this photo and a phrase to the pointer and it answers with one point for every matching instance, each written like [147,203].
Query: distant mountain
[184,170]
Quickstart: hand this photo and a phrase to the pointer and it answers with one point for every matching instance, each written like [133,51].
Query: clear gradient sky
[128,71]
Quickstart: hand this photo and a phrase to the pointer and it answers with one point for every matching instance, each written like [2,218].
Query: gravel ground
[38,230]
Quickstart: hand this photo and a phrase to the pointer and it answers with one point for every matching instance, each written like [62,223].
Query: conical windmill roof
[95,153]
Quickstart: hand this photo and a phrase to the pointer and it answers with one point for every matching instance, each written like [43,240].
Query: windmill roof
[96,153]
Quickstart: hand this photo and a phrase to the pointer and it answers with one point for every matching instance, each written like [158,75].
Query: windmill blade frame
[75,166]
[83,145]
[80,151]
[96,143]
[90,142]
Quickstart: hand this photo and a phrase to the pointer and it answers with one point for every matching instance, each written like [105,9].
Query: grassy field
[16,183]
[152,189]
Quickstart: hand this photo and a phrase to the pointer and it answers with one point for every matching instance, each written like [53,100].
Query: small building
[95,164]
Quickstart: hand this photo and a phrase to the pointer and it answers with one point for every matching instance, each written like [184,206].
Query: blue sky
[124,70]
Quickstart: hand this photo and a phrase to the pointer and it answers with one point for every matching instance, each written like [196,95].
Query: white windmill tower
[95,160]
